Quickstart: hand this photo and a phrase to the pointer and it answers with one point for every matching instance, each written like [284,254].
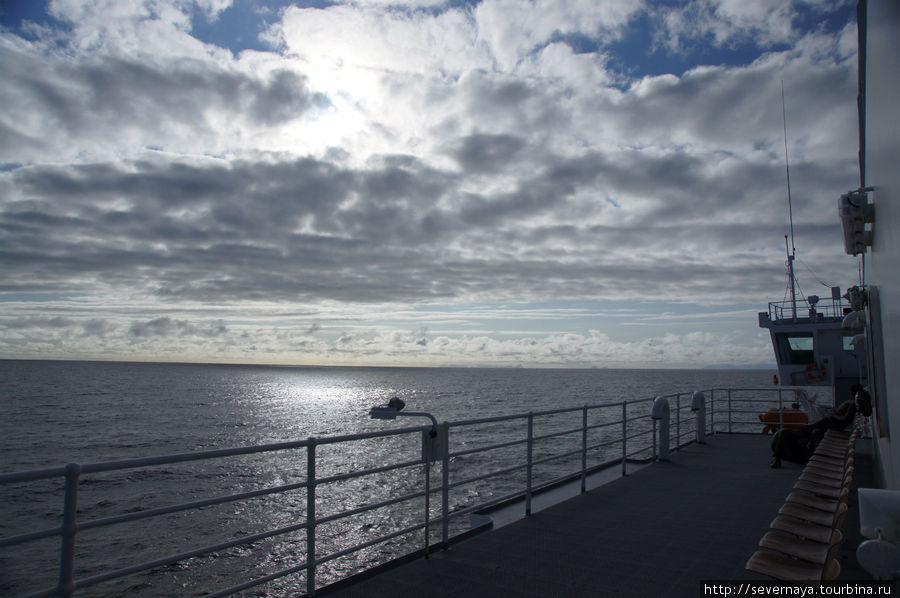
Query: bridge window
[848,346]
[795,348]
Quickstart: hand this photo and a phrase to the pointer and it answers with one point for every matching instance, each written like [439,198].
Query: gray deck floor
[657,532]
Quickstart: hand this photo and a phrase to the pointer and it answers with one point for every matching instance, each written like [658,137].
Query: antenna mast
[793,249]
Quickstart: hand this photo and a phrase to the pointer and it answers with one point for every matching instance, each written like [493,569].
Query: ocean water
[59,412]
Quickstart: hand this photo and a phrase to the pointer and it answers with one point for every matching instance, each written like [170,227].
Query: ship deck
[659,531]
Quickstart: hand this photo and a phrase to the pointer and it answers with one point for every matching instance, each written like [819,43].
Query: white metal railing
[740,408]
[538,450]
[800,310]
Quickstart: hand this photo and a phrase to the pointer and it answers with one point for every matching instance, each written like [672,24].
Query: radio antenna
[787,168]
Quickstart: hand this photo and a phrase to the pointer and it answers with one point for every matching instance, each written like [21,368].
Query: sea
[57,412]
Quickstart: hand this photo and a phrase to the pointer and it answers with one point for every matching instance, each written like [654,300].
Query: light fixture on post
[856,211]
[434,446]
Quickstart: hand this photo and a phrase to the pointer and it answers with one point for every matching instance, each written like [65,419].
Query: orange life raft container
[792,419]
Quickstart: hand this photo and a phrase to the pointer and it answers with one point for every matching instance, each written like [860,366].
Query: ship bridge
[815,342]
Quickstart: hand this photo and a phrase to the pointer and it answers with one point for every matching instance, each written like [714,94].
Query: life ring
[816,371]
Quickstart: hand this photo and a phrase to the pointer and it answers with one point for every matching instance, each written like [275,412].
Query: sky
[513,183]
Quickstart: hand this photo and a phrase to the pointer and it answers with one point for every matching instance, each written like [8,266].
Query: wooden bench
[804,540]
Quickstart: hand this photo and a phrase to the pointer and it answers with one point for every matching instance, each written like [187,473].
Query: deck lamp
[434,447]
[395,407]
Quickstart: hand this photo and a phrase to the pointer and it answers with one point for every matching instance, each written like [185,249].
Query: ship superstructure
[817,341]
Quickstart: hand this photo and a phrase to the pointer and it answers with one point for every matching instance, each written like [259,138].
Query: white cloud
[213,8]
[212,340]
[405,155]
[346,41]
[514,29]
[726,22]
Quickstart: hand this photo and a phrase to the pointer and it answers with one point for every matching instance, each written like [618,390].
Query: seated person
[798,446]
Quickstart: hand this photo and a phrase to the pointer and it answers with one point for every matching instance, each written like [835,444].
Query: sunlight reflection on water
[90,412]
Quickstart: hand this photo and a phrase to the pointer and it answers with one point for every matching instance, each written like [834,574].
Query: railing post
[698,406]
[729,411]
[660,411]
[529,458]
[780,411]
[712,412]
[69,529]
[678,421]
[311,518]
[445,489]
[427,503]
[624,436]
[584,422]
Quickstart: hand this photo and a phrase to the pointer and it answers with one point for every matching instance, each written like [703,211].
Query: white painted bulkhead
[882,172]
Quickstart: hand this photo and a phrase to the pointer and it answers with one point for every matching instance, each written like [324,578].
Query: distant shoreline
[757,367]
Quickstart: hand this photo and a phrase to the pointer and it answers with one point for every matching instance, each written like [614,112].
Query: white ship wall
[882,171]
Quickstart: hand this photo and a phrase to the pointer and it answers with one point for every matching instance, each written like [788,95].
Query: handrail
[788,310]
[569,449]
[103,466]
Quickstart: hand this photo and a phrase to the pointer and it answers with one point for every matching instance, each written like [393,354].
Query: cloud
[487,153]
[167,327]
[170,105]
[514,29]
[212,340]
[766,23]
[413,154]
[397,230]
[40,322]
